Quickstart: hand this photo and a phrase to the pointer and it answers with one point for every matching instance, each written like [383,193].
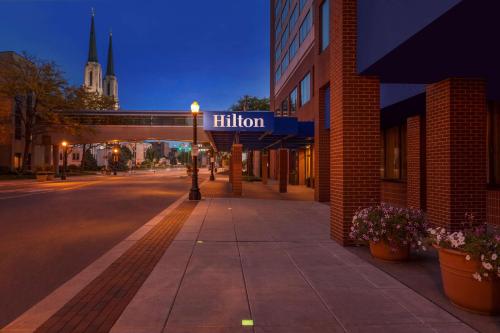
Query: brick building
[403,99]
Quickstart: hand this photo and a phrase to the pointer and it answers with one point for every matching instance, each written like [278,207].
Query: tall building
[93,79]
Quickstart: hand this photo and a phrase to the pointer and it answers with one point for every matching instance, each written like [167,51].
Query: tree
[151,155]
[41,87]
[90,161]
[251,103]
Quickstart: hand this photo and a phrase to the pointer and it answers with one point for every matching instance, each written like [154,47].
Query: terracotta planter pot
[382,250]
[462,289]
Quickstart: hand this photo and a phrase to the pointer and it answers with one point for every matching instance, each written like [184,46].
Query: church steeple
[92,79]
[92,43]
[110,69]
[110,81]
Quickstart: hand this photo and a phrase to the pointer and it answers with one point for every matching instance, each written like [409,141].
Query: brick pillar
[456,151]
[283,170]
[237,166]
[354,126]
[301,168]
[321,154]
[415,178]
[265,161]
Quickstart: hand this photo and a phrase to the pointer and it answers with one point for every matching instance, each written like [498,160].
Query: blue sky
[167,53]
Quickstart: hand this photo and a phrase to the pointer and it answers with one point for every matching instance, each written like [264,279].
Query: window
[277,75]
[109,89]
[91,78]
[278,31]
[277,8]
[284,14]
[294,18]
[278,53]
[302,4]
[294,47]
[278,113]
[284,64]
[18,116]
[17,161]
[293,101]
[284,107]
[494,143]
[325,24]
[284,37]
[305,28]
[394,152]
[305,89]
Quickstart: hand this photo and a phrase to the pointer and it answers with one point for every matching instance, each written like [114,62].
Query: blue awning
[256,130]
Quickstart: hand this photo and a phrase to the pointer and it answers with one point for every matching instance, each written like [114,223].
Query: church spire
[110,69]
[92,43]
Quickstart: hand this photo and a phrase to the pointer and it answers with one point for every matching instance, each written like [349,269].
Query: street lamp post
[64,144]
[115,160]
[195,194]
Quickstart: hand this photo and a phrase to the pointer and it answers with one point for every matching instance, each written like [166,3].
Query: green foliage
[152,155]
[125,155]
[251,103]
[90,163]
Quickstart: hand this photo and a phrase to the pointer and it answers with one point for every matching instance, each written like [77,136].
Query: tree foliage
[40,87]
[251,103]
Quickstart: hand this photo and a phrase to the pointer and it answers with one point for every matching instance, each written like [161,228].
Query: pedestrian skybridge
[253,129]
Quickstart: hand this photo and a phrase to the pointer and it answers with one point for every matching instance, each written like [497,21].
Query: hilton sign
[253,121]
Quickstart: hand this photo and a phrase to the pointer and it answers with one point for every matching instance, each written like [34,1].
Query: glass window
[302,4]
[305,89]
[325,24]
[277,31]
[305,28]
[294,18]
[284,13]
[278,52]
[284,37]
[277,112]
[284,107]
[293,101]
[394,153]
[284,64]
[277,8]
[277,75]
[91,78]
[294,47]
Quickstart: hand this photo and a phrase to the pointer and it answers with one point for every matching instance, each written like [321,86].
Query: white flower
[419,243]
[433,232]
[487,266]
[494,256]
[485,274]
[477,276]
[467,257]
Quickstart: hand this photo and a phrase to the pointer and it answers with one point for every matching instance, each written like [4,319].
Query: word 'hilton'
[234,120]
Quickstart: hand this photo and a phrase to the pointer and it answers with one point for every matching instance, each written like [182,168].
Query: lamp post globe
[194,193]
[64,144]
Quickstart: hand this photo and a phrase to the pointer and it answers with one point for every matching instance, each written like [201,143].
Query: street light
[115,159]
[195,194]
[64,144]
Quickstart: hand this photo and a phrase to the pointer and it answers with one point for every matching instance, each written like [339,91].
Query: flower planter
[382,250]
[462,289]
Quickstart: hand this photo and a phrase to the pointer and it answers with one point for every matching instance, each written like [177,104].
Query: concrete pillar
[354,126]
[456,151]
[237,166]
[415,169]
[283,170]
[265,162]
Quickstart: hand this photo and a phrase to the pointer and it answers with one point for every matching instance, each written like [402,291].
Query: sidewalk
[236,259]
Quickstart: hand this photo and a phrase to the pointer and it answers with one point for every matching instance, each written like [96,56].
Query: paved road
[50,232]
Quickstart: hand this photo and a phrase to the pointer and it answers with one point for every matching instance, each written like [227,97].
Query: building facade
[394,121]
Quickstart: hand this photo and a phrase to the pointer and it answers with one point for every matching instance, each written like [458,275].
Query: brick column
[264,160]
[302,167]
[456,151]
[237,167]
[283,170]
[415,168]
[321,154]
[354,125]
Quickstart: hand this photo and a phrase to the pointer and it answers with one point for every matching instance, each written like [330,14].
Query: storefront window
[394,153]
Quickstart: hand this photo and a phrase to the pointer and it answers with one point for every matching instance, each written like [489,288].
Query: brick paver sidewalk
[97,307]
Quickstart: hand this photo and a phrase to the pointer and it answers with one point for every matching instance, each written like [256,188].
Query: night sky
[167,53]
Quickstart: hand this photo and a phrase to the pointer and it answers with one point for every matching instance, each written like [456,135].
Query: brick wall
[393,192]
[456,151]
[354,125]
[493,207]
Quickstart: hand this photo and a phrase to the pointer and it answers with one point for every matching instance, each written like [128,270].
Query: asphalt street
[49,232]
